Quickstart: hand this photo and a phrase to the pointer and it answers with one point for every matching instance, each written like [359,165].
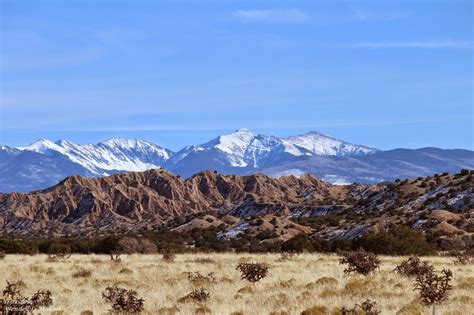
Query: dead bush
[115,256]
[167,256]
[462,257]
[252,272]
[197,295]
[413,266]
[433,287]
[123,300]
[368,307]
[42,298]
[2,255]
[286,256]
[12,290]
[14,303]
[197,279]
[360,262]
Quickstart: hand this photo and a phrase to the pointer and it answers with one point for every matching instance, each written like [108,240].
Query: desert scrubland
[303,282]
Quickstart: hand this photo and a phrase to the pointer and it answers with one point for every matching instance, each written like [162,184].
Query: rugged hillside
[139,201]
[152,197]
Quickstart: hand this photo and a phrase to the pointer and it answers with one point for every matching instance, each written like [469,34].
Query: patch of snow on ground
[234,231]
[418,223]
[336,180]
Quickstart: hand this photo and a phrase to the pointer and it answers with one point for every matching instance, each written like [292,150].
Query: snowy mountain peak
[42,146]
[239,149]
[235,144]
[244,149]
[42,142]
[115,154]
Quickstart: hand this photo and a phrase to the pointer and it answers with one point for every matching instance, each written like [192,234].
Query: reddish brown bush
[14,303]
[413,266]
[433,288]
[197,295]
[167,256]
[360,262]
[12,290]
[462,257]
[252,272]
[198,279]
[368,307]
[286,256]
[42,298]
[123,300]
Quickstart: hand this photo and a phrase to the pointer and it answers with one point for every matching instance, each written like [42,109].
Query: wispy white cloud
[435,44]
[287,16]
[369,15]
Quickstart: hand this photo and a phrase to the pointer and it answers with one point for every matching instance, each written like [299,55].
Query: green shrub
[17,247]
[399,240]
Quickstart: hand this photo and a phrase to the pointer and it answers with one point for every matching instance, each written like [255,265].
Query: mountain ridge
[241,152]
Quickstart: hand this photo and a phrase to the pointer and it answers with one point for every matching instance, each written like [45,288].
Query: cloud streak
[273,16]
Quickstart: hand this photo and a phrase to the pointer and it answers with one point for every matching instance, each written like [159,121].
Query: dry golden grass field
[292,286]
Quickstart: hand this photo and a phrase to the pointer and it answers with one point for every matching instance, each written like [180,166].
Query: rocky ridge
[143,201]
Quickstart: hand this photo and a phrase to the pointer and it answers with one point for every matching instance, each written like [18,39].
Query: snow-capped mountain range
[244,149]
[106,157]
[44,163]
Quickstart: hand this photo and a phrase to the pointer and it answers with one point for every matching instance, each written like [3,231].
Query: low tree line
[399,240]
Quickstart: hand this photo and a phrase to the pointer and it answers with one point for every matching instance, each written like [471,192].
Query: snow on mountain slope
[234,145]
[239,149]
[115,154]
[245,149]
[320,144]
[43,146]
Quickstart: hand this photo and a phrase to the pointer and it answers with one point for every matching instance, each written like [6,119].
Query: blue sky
[381,73]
